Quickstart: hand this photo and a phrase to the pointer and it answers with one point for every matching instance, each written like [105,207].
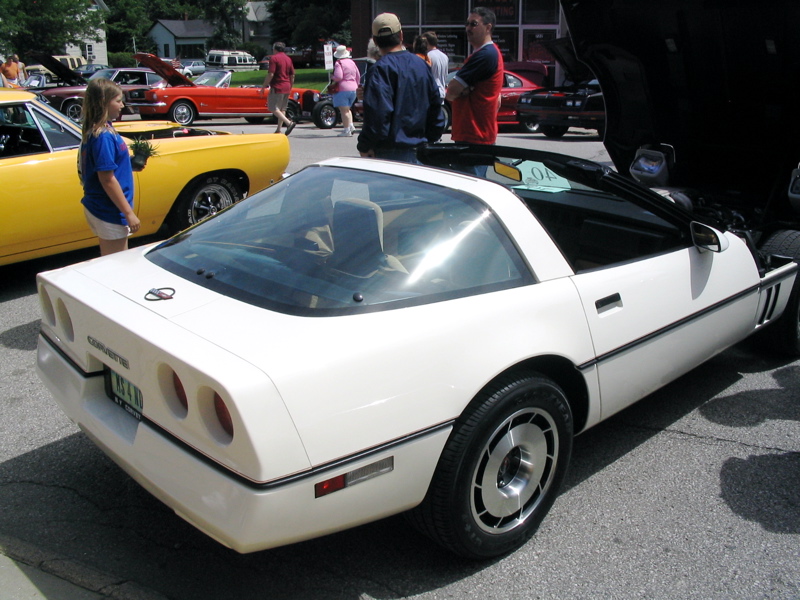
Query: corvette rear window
[332,241]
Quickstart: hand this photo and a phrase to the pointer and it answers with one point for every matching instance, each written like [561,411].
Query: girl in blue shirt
[105,169]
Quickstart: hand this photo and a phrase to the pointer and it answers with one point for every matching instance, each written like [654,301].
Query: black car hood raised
[564,52]
[60,70]
[715,79]
[164,69]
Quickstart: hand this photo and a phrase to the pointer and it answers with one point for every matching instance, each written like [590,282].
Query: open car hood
[163,69]
[59,69]
[564,52]
[715,80]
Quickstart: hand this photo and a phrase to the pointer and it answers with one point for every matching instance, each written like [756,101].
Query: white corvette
[366,338]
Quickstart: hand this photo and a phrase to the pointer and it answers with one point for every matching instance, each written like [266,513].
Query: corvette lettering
[108,352]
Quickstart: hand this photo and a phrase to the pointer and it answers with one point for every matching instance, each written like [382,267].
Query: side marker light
[334,484]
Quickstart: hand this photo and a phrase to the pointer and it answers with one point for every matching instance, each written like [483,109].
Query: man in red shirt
[475,90]
[279,80]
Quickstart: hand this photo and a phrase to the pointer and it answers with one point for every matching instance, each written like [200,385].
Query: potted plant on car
[142,150]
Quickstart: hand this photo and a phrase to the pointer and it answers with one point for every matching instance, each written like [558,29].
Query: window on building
[506,40]
[540,11]
[166,51]
[444,11]
[406,11]
[505,11]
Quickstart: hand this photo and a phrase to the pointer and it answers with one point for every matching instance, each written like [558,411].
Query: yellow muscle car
[196,173]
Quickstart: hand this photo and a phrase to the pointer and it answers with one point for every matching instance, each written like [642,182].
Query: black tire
[325,115]
[293,112]
[448,117]
[553,131]
[202,198]
[783,336]
[255,120]
[529,126]
[183,113]
[73,109]
[501,469]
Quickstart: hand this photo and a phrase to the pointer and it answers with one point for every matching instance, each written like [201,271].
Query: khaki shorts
[105,230]
[277,101]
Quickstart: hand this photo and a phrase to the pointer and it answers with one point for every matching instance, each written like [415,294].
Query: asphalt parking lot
[691,493]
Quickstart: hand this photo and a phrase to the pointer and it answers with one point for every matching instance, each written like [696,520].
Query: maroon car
[69,98]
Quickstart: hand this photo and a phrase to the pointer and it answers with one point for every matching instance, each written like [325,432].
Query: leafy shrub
[121,59]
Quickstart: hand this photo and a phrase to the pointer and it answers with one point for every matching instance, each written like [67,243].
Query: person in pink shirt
[347,78]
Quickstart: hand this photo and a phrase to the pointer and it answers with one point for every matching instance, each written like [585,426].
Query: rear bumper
[243,516]
[589,119]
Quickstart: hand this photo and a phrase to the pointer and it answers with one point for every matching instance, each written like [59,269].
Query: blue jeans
[401,154]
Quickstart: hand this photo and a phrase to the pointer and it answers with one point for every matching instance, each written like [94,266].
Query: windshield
[212,78]
[331,240]
[105,73]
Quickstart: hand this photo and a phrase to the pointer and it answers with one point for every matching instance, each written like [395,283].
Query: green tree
[130,20]
[47,25]
[305,24]
[227,16]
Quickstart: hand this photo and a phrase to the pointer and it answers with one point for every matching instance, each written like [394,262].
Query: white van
[232,60]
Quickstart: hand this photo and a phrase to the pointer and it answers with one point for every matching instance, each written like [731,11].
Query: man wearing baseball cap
[402,106]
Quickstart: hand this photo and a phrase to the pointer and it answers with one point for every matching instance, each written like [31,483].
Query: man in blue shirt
[402,106]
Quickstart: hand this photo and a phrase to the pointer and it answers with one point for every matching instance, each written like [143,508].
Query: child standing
[105,169]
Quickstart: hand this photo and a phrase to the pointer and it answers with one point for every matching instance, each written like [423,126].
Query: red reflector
[180,391]
[323,488]
[223,415]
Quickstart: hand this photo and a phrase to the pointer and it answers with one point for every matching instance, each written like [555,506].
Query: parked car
[177,65]
[210,96]
[54,75]
[310,56]
[433,341]
[69,98]
[552,111]
[193,68]
[191,178]
[86,71]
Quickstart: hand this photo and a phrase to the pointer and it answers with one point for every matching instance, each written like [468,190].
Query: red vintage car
[210,96]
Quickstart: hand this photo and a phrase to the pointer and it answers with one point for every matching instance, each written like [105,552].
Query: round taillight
[179,391]
[223,415]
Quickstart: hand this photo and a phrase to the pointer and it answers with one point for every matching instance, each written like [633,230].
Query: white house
[188,38]
[96,50]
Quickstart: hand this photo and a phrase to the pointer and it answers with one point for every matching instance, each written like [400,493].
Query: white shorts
[105,230]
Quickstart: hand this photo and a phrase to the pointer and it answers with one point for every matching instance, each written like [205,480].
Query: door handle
[608,302]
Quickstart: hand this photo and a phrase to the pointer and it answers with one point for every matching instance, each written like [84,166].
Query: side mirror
[708,238]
